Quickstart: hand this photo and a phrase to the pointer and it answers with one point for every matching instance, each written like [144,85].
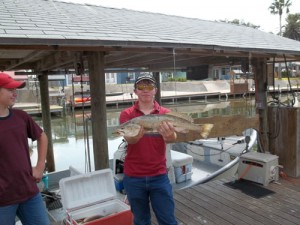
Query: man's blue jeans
[157,190]
[30,212]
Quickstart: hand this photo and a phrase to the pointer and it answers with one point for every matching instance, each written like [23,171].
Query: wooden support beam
[55,60]
[46,117]
[261,88]
[158,93]
[98,109]
[284,125]
[29,57]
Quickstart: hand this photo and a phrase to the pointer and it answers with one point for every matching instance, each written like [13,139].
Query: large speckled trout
[150,123]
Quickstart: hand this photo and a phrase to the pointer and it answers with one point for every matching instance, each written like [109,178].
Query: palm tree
[292,27]
[277,7]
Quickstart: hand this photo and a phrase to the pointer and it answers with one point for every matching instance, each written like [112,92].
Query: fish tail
[206,128]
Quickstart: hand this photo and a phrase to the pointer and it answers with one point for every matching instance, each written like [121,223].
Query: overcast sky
[253,11]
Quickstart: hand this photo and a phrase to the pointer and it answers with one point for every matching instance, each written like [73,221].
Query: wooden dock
[172,97]
[35,108]
[239,202]
[228,202]
[167,96]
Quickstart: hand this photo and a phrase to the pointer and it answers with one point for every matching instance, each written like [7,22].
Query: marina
[219,204]
[58,38]
[225,201]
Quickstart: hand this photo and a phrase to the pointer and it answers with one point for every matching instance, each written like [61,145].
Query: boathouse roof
[46,34]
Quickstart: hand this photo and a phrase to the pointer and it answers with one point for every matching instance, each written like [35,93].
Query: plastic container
[182,164]
[43,184]
[119,158]
[93,194]
[45,181]
[183,173]
[119,182]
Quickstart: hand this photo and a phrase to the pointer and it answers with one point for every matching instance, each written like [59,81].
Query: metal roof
[33,32]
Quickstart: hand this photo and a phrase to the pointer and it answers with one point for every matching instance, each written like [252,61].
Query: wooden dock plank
[240,202]
[268,206]
[281,203]
[219,204]
[237,204]
[186,215]
[249,194]
[194,211]
[35,108]
[205,207]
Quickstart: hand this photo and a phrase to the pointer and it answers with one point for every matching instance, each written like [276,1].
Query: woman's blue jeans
[30,212]
[157,190]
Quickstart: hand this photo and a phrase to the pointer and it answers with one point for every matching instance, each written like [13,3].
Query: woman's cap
[8,82]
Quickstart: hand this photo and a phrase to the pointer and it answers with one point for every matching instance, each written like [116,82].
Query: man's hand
[167,131]
[37,173]
[135,139]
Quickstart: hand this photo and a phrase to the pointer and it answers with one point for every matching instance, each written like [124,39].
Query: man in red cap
[19,194]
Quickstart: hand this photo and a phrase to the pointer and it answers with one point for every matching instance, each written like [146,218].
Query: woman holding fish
[146,180]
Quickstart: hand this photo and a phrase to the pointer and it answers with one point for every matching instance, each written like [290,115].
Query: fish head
[129,130]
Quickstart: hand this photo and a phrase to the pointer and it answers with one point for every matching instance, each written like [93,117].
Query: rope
[293,181]
[80,70]
[213,154]
[288,76]
[174,74]
[246,171]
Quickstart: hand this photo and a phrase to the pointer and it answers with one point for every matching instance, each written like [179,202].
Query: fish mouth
[118,133]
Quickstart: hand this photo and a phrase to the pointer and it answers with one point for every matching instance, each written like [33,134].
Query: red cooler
[92,197]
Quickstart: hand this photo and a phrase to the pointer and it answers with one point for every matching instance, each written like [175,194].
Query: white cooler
[182,166]
[93,195]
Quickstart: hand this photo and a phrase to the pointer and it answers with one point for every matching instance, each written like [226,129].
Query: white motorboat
[211,159]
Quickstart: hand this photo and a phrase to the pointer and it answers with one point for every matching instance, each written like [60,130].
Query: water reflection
[70,136]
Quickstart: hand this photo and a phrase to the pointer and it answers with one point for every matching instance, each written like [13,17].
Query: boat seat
[180,159]
[182,164]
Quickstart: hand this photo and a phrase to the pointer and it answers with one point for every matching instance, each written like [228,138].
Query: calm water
[69,134]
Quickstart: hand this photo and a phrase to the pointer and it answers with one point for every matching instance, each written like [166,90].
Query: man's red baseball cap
[8,82]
